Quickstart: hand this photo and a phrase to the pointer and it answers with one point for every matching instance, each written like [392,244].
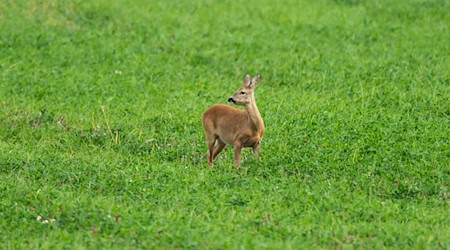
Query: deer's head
[244,95]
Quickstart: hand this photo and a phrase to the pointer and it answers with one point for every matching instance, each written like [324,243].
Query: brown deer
[227,125]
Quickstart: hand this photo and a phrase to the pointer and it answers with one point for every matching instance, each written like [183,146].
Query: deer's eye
[242,93]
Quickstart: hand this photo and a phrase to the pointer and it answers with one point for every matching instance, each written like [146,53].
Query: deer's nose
[230,100]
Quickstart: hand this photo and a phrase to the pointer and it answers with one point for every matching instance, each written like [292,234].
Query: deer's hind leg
[218,148]
[210,140]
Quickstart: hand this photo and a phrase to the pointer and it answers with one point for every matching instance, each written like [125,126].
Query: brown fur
[227,125]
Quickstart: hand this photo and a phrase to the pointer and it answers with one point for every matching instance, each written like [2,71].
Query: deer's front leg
[237,154]
[256,149]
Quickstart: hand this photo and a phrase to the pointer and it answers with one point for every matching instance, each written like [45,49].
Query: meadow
[102,146]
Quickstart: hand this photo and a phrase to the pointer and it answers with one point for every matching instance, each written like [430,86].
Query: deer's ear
[255,81]
[247,80]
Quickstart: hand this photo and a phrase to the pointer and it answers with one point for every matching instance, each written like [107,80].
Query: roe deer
[227,125]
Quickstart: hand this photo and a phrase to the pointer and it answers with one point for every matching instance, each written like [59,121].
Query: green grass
[101,135]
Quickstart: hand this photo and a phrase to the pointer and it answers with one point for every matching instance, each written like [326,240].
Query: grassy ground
[101,143]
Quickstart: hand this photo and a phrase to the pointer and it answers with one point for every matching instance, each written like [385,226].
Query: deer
[224,124]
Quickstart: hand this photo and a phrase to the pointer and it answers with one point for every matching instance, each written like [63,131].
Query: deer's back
[223,115]
[226,122]
[230,125]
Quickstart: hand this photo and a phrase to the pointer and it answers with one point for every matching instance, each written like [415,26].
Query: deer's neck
[255,118]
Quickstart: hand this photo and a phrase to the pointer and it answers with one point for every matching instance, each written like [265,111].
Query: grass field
[101,142]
